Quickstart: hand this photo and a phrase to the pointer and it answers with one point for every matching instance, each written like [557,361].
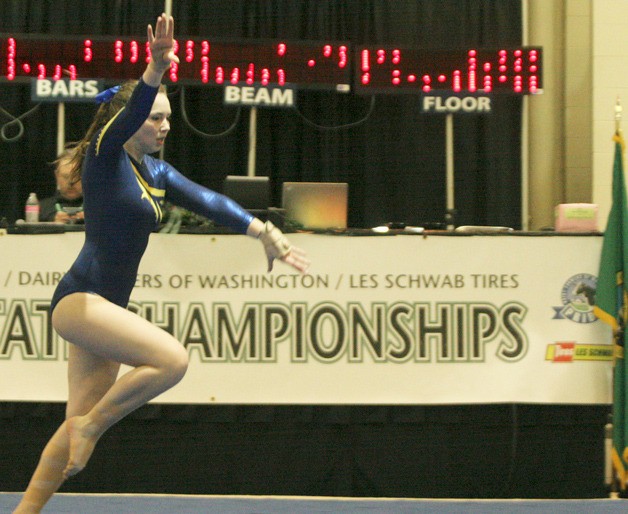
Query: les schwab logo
[569,351]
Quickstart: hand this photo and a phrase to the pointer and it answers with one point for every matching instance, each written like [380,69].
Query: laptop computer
[317,206]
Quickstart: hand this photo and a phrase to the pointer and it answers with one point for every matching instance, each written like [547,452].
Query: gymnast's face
[152,134]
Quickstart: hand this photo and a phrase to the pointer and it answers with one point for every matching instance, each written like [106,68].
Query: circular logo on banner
[578,297]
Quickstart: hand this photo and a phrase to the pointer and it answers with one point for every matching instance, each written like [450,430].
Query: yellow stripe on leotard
[104,129]
[150,192]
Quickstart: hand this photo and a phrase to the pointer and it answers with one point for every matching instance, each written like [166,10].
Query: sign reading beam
[259,96]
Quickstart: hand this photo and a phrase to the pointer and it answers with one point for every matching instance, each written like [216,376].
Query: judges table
[429,318]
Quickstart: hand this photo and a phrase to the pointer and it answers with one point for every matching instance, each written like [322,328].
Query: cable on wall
[15,121]
[200,133]
[339,127]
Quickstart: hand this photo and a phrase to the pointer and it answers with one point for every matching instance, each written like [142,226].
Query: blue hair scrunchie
[106,95]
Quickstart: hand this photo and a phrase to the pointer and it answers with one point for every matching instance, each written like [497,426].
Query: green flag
[611,306]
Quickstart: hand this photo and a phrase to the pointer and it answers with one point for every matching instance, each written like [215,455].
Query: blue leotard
[122,204]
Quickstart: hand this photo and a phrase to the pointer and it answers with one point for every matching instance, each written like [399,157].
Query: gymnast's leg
[159,362]
[89,379]
[112,333]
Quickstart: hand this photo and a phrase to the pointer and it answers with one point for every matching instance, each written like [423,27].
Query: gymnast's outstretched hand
[162,44]
[277,246]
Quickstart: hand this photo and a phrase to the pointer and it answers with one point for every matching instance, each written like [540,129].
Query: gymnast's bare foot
[82,444]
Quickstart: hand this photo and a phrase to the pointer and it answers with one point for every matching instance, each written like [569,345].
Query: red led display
[503,70]
[307,65]
[202,61]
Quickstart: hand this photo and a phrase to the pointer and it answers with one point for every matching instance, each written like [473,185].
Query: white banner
[405,319]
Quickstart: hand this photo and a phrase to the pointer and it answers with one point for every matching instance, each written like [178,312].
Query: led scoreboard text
[514,71]
[313,65]
[307,65]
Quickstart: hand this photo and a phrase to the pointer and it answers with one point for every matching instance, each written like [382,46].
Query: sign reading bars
[65,90]
[378,320]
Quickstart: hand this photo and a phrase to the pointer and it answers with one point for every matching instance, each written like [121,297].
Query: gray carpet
[168,504]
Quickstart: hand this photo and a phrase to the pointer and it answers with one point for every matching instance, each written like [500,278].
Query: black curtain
[392,156]
[470,451]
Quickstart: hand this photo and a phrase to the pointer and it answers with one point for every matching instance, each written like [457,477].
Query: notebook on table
[317,206]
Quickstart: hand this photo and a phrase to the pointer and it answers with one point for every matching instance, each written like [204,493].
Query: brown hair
[66,157]
[75,152]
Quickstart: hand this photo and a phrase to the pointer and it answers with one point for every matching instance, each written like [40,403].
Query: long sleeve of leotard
[191,196]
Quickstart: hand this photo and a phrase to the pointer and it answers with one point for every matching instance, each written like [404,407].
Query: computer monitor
[251,192]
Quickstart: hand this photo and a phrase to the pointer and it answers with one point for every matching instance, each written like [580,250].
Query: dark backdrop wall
[394,161]
[392,156]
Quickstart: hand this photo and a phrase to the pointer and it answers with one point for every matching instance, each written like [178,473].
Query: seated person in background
[66,205]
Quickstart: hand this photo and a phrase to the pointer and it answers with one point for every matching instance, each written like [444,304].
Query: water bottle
[31,211]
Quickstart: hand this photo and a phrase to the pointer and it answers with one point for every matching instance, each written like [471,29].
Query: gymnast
[124,188]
